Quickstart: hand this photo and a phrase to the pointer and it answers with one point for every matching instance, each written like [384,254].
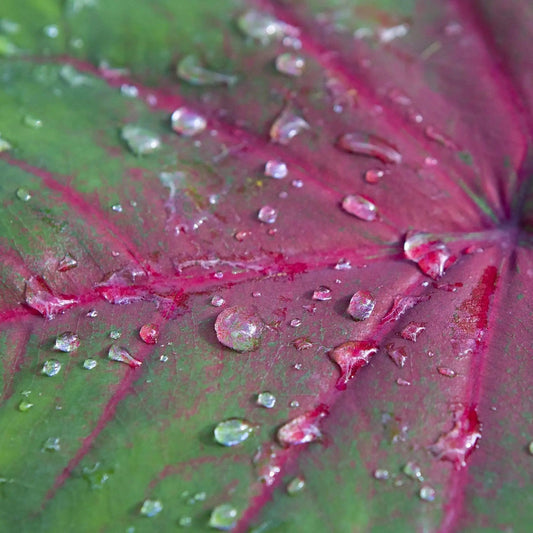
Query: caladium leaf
[200,232]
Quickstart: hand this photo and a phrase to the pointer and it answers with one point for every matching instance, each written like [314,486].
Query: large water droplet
[360,207]
[369,145]
[233,431]
[266,399]
[149,333]
[398,355]
[264,27]
[90,364]
[239,328]
[295,486]
[67,342]
[51,444]
[351,356]
[223,517]
[400,305]
[267,214]
[361,305]
[432,255]
[290,64]
[275,168]
[322,294]
[303,428]
[427,493]
[38,296]
[187,122]
[140,141]
[217,301]
[67,262]
[191,70]
[120,354]
[456,445]
[52,367]
[151,508]
[286,126]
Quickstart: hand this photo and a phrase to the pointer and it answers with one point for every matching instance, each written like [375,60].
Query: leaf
[113,222]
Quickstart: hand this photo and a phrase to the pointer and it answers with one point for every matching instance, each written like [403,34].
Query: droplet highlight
[186,122]
[360,207]
[151,508]
[267,214]
[430,254]
[290,64]
[274,168]
[67,342]
[51,368]
[223,517]
[266,399]
[233,431]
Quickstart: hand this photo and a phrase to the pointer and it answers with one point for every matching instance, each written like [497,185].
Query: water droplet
[286,126]
[264,27]
[456,445]
[412,470]
[73,77]
[427,493]
[275,168]
[52,367]
[374,175]
[432,255]
[266,399]
[51,444]
[381,474]
[163,358]
[96,475]
[32,122]
[294,403]
[129,91]
[295,323]
[398,355]
[239,329]
[38,296]
[412,331]
[369,145]
[343,264]
[223,517]
[361,305]
[322,294]
[445,371]
[117,208]
[303,428]
[120,354]
[530,448]
[290,64]
[360,207]
[151,508]
[191,70]
[233,431]
[67,262]
[115,334]
[140,141]
[390,33]
[298,184]
[89,364]
[241,235]
[302,343]
[4,145]
[149,333]
[24,405]
[403,382]
[351,356]
[434,135]
[297,366]
[67,342]
[23,194]
[295,486]
[311,308]
[185,521]
[400,305]
[217,301]
[187,122]
[51,31]
[267,214]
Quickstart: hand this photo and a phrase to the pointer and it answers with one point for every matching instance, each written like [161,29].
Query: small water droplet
[530,448]
[38,296]
[23,194]
[322,294]
[151,508]
[218,274]
[149,333]
[275,168]
[223,517]
[290,64]
[117,208]
[427,493]
[343,264]
[264,27]
[360,207]
[239,329]
[302,343]
[388,34]
[403,382]
[381,474]
[191,70]
[295,323]
[140,141]
[233,431]
[52,367]
[434,135]
[400,305]
[351,356]
[298,184]
[129,91]
[256,294]
[267,214]
[297,366]
[90,364]
[430,162]
[185,521]
[286,126]
[67,262]
[369,145]
[266,399]
[398,355]
[115,334]
[187,122]
[93,313]
[32,122]
[51,31]
[51,444]
[4,145]
[311,308]
[374,175]
[295,486]
[294,403]
[217,301]
[445,371]
[120,354]
[73,77]
[163,358]
[302,429]
[67,342]
[241,235]
[412,331]
[432,255]
[361,305]
[412,470]
[24,405]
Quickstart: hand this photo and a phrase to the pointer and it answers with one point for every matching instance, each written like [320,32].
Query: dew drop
[239,328]
[223,517]
[191,70]
[187,122]
[4,145]
[38,296]
[412,470]
[302,429]
[149,333]
[266,399]
[51,31]
[32,122]
[23,194]
[51,444]
[398,355]
[67,342]
[267,214]
[275,168]
[120,354]
[140,141]
[427,493]
[403,382]
[115,334]
[360,207]
[52,367]
[297,366]
[297,184]
[185,521]
[369,145]
[233,431]
[295,323]
[117,208]
[295,486]
[286,126]
[412,331]
[390,33]
[361,305]
[381,474]
[434,135]
[67,262]
[322,294]
[290,64]
[302,343]
[530,448]
[445,371]
[96,475]
[264,27]
[90,364]
[294,403]
[129,90]
[351,356]
[151,508]
[24,405]
[400,305]
[432,255]
[93,313]
[343,264]
[217,301]
[374,175]
[73,77]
